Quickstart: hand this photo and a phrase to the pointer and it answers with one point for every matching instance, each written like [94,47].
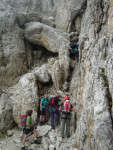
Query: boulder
[42,74]
[57,77]
[43,130]
[50,38]
[25,97]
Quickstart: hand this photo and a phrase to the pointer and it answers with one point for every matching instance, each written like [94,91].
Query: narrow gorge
[34,59]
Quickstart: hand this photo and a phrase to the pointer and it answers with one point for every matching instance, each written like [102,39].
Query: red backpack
[67,106]
[53,102]
[23,120]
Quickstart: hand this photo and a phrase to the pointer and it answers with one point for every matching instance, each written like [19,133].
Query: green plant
[108,94]
[106,83]
[103,76]
[102,69]
[105,56]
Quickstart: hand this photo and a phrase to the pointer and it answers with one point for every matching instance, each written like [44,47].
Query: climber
[29,128]
[43,108]
[73,48]
[66,109]
[54,109]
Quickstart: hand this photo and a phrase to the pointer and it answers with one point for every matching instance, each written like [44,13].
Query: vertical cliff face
[34,37]
[94,90]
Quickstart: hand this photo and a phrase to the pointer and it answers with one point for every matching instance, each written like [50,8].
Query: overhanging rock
[44,35]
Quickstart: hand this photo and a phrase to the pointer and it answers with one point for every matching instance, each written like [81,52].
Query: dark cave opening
[43,87]
[37,54]
[44,52]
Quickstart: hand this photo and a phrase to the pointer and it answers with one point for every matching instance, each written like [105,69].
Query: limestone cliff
[34,36]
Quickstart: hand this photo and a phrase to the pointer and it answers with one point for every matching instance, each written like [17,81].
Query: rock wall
[27,25]
[94,95]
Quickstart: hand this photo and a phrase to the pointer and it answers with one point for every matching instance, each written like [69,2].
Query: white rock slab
[43,130]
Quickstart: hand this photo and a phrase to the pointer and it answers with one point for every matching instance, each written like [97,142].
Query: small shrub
[103,76]
[102,69]
[105,55]
[106,83]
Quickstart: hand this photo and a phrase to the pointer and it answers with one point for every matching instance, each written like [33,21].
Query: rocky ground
[50,139]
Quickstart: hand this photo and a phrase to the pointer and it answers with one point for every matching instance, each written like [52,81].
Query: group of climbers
[64,110]
[52,106]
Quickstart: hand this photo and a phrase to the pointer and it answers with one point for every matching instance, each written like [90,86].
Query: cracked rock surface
[34,59]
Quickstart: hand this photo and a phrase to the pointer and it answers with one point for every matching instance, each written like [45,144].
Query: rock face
[11,42]
[6,121]
[95,86]
[41,34]
[34,36]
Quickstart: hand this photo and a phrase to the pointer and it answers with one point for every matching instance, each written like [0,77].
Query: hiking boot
[53,128]
[24,148]
[45,121]
[68,136]
[41,123]
[57,123]
[37,142]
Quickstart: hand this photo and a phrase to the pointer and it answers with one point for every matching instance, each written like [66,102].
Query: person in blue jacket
[73,48]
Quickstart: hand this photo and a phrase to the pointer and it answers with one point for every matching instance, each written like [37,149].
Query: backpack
[72,44]
[66,106]
[53,102]
[23,120]
[45,102]
[74,50]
